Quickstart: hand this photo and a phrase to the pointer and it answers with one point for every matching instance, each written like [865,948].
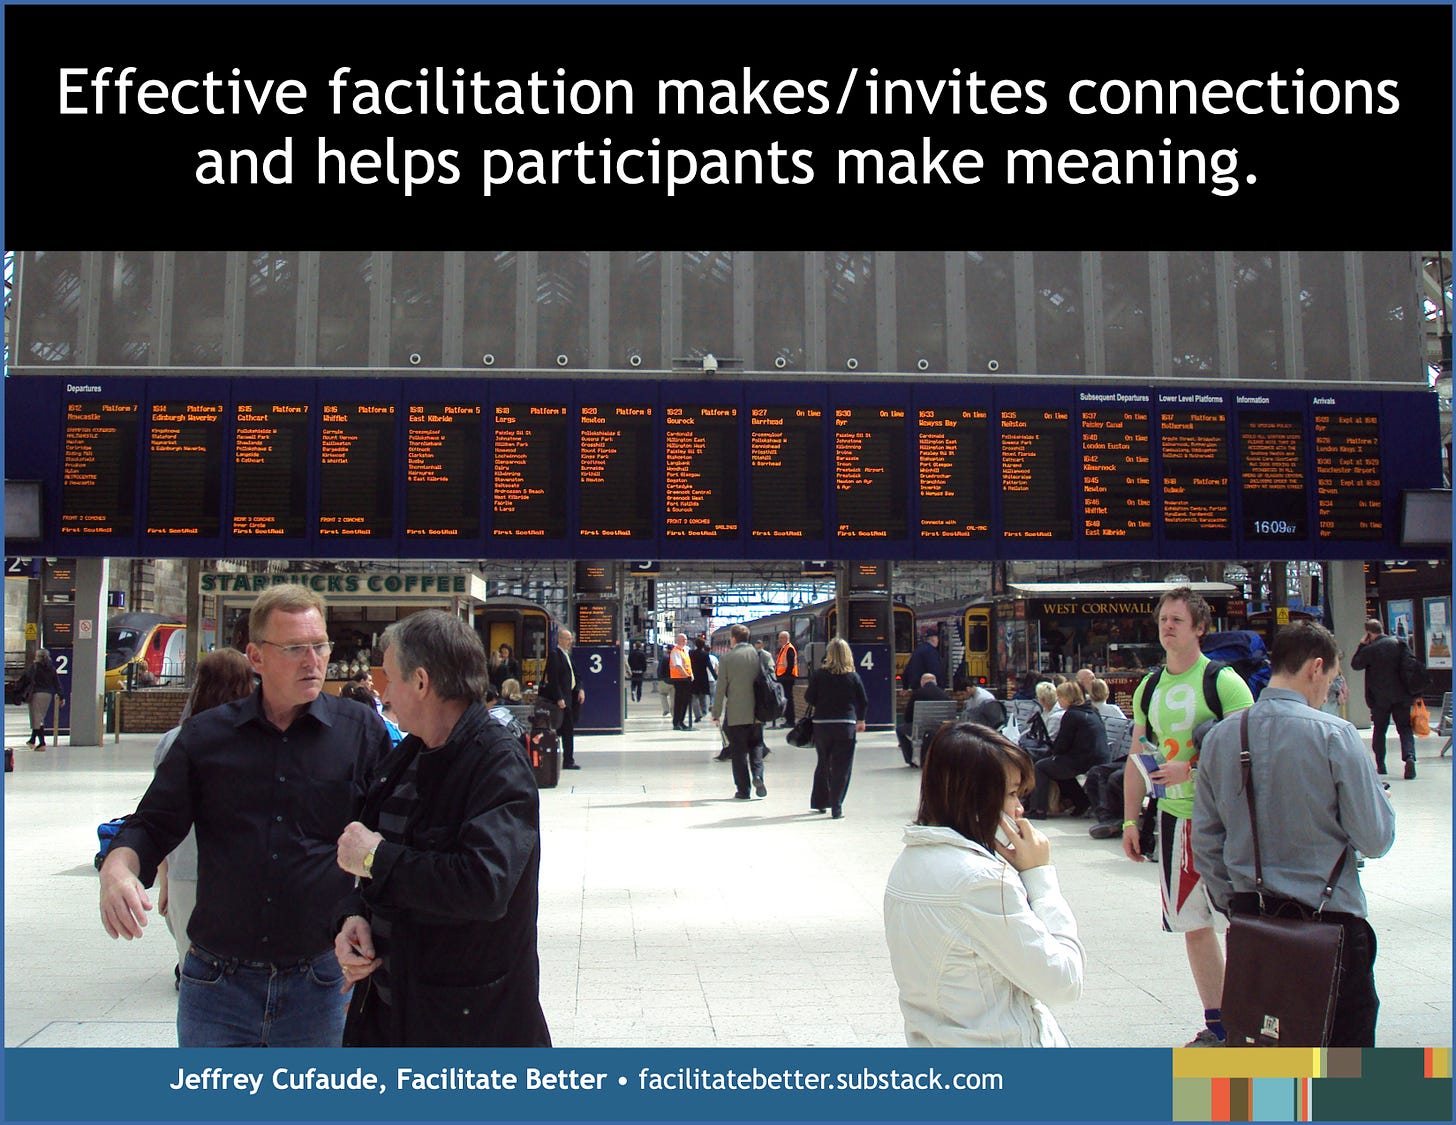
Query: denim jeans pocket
[198,970]
[324,971]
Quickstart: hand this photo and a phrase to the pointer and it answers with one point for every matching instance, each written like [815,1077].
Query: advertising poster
[1438,632]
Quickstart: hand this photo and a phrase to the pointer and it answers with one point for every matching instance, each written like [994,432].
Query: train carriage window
[533,637]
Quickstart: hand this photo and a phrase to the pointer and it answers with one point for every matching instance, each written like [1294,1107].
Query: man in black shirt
[268,782]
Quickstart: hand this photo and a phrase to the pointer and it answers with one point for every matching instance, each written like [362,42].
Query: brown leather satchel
[1283,972]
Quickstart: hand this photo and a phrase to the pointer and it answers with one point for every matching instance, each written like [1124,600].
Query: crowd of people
[362,869]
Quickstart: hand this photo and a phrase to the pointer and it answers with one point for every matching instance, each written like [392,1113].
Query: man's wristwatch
[369,863]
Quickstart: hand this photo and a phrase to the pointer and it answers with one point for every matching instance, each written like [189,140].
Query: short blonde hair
[1046,694]
[838,658]
[1100,691]
[282,598]
[1069,694]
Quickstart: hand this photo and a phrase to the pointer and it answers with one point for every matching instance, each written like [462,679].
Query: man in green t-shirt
[1177,707]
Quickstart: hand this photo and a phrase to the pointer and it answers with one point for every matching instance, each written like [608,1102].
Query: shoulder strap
[1246,769]
[1210,686]
[1150,685]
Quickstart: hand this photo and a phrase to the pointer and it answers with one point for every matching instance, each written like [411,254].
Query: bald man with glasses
[269,783]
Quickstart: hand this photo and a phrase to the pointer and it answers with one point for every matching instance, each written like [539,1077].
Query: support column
[1346,584]
[88,657]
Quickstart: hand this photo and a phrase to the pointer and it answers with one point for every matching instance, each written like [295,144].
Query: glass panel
[707,319]
[1392,317]
[126,308]
[490,307]
[562,325]
[346,278]
[50,307]
[778,310]
[636,309]
[1192,311]
[199,290]
[1258,311]
[920,310]
[417,308]
[270,313]
[851,311]
[1325,315]
[990,310]
[1057,276]
[1126,317]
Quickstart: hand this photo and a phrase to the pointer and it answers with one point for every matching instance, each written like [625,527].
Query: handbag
[802,733]
[1283,968]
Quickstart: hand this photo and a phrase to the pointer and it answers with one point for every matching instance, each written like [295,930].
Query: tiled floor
[674,915]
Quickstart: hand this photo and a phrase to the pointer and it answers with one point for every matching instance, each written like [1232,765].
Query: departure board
[596,624]
[442,469]
[869,473]
[869,622]
[528,488]
[955,473]
[357,470]
[1195,474]
[786,472]
[616,471]
[184,468]
[1036,479]
[98,468]
[1347,476]
[700,468]
[1117,474]
[271,459]
[1273,485]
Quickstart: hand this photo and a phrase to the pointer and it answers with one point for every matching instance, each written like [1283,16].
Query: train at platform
[524,625]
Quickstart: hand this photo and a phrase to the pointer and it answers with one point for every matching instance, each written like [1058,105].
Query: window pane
[707,303]
[50,309]
[1057,275]
[346,278]
[417,308]
[1192,311]
[126,308]
[851,309]
[636,315]
[778,310]
[920,310]
[1258,309]
[197,308]
[1392,318]
[1324,315]
[990,310]
[1126,320]
[490,307]
[562,324]
[270,314]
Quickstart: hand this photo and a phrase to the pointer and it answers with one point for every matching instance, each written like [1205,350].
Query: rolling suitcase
[544,750]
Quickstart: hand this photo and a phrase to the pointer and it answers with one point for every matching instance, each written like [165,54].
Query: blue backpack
[105,833]
[1242,650]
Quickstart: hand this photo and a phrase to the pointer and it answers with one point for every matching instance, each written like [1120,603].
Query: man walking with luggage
[733,707]
[1318,798]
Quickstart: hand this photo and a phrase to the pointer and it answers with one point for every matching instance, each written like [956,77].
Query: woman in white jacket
[980,937]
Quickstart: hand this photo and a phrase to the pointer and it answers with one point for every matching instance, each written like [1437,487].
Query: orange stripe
[1218,1099]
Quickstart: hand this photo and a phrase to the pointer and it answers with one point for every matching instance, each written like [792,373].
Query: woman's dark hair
[222,676]
[357,692]
[963,780]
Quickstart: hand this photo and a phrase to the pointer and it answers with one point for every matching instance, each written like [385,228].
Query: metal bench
[1444,727]
[929,715]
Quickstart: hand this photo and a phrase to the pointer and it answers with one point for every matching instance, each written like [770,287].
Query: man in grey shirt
[1317,794]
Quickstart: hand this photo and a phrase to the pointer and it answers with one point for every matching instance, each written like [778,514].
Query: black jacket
[460,891]
[1380,660]
[1082,737]
[836,695]
[929,691]
[556,684]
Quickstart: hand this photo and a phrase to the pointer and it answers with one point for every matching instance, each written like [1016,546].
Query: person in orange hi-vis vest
[680,671]
[786,668]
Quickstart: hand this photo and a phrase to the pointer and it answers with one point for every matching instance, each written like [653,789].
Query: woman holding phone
[981,939]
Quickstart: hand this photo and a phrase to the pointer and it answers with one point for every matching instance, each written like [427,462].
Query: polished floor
[673,915]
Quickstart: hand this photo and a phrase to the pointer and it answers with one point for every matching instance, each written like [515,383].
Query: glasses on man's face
[298,652]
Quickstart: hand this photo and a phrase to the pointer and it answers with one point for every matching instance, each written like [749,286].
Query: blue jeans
[223,1003]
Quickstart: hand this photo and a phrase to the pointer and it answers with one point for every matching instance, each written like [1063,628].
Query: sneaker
[1205,1038]
[1106,830]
